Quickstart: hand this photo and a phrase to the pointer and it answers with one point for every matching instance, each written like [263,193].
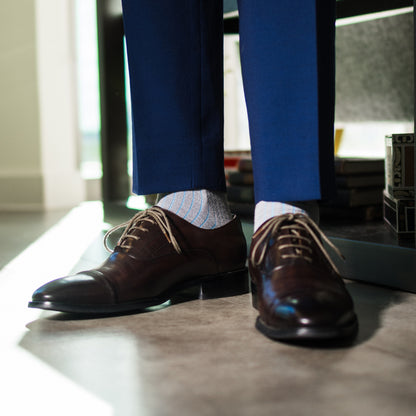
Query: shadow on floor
[370,303]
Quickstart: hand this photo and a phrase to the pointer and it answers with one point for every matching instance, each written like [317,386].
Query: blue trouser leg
[287,53]
[175,59]
[176,76]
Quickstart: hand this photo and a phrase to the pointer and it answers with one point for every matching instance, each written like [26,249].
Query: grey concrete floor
[190,358]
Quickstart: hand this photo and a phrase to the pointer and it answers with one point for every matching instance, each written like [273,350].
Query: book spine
[240,178]
[359,181]
[245,165]
[359,197]
[240,194]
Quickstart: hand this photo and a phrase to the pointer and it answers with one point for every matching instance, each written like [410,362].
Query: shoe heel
[254,301]
[229,284]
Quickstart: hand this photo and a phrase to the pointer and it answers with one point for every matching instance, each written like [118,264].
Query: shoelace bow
[154,215]
[299,223]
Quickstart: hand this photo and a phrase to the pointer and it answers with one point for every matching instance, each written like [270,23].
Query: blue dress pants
[175,55]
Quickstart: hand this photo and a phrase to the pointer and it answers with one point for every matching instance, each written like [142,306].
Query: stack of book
[360,184]
[240,189]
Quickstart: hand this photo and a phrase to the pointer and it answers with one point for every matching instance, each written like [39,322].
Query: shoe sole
[345,332]
[208,287]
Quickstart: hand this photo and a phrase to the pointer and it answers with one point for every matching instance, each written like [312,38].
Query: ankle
[268,209]
[202,208]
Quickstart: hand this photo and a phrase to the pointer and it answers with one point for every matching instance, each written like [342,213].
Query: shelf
[370,232]
[374,254]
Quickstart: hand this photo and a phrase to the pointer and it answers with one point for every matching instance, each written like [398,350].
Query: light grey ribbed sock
[266,210]
[202,208]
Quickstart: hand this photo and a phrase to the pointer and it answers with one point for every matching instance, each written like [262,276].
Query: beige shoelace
[300,223]
[154,215]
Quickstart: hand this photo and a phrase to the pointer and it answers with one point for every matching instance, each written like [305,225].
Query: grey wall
[375,70]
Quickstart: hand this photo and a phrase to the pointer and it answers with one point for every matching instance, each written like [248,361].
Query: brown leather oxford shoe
[158,256]
[295,285]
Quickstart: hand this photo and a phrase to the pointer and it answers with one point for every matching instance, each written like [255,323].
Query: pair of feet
[295,286]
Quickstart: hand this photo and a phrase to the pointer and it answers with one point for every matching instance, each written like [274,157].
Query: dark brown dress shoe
[158,256]
[295,285]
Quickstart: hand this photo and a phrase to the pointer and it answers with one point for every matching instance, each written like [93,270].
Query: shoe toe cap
[80,289]
[318,309]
